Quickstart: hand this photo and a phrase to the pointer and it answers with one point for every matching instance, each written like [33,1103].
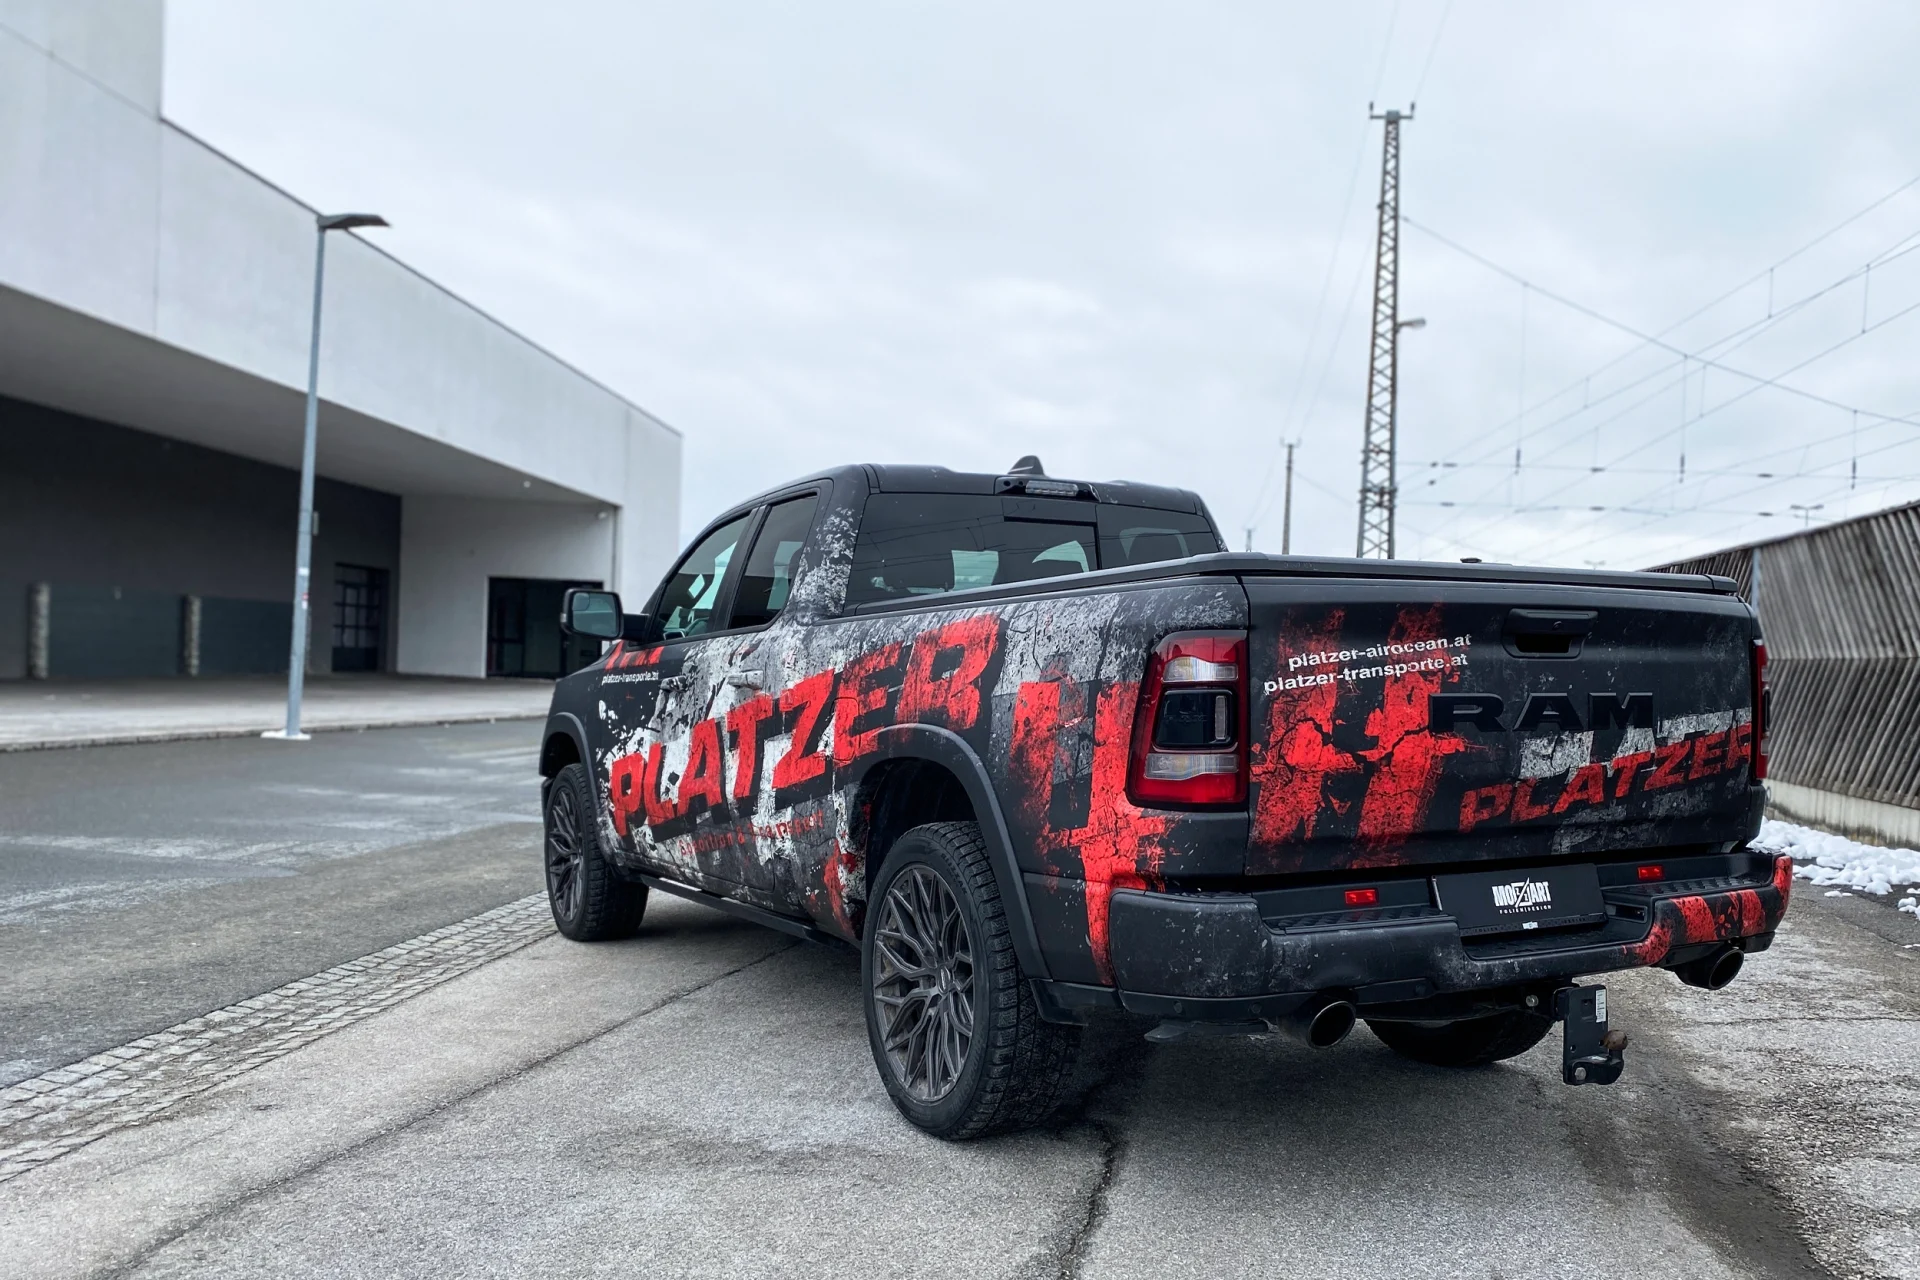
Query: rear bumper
[1213,957]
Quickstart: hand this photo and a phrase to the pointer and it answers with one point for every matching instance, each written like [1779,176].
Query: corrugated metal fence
[1840,607]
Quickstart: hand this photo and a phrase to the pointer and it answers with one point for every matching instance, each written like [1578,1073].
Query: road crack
[1113,1060]
[1094,1208]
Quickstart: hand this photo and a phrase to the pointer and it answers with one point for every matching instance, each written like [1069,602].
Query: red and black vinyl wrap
[741,763]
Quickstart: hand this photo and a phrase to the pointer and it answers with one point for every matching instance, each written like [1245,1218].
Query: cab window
[767,580]
[1138,535]
[691,595]
[916,544]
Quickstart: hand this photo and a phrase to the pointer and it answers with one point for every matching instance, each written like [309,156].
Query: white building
[155,304]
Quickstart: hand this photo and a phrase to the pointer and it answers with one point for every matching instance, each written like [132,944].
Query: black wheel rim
[923,983]
[564,852]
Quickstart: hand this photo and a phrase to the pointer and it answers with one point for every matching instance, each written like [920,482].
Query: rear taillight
[1189,735]
[1762,709]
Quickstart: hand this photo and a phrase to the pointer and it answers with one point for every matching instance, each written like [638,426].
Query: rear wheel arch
[898,795]
[930,747]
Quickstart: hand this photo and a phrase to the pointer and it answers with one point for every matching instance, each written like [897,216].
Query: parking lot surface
[486,1098]
[140,885]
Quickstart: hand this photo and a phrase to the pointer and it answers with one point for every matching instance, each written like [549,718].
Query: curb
[255,730]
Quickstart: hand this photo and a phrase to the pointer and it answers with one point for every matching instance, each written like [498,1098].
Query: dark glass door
[359,617]
[523,629]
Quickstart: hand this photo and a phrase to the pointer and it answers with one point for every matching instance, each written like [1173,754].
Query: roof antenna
[1028,466]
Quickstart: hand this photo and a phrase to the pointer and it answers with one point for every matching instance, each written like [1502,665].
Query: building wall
[115,213]
[650,520]
[146,264]
[116,43]
[91,507]
[450,547]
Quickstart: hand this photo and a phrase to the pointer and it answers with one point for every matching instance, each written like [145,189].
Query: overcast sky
[1136,238]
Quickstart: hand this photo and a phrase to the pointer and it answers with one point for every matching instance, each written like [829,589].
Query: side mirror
[638,628]
[595,614]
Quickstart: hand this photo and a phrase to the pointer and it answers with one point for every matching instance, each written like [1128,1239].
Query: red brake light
[1762,707]
[1363,897]
[1652,871]
[1189,732]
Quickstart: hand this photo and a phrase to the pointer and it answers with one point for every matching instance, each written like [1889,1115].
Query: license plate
[1518,901]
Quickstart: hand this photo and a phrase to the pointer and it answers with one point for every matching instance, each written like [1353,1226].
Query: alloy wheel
[564,852]
[923,983]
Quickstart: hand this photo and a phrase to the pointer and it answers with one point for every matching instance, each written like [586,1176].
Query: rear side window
[768,578]
[691,594]
[916,544]
[1136,535]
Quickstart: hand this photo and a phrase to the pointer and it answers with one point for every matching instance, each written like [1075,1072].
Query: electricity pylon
[1377,472]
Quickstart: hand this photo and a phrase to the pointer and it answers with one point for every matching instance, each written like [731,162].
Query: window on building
[767,578]
[523,629]
[359,617]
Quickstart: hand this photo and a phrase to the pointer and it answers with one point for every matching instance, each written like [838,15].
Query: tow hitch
[1591,1054]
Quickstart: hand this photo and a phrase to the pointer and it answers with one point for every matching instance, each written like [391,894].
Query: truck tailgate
[1406,722]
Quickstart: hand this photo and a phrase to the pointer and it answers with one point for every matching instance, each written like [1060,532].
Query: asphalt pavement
[140,885]
[700,1101]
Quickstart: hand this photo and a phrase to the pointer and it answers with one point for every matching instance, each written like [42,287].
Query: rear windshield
[915,544]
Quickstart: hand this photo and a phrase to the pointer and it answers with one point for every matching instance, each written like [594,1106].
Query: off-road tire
[1017,1068]
[590,900]
[1471,1042]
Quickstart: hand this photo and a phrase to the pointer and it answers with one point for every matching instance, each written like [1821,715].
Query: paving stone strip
[44,1118]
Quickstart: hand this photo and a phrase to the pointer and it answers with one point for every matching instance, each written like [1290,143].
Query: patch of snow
[1826,859]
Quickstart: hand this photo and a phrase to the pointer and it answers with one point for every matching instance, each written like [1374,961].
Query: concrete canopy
[60,358]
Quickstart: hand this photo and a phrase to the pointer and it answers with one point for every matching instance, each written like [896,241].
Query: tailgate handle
[1547,633]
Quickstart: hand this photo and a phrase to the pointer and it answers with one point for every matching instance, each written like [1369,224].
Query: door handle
[745,679]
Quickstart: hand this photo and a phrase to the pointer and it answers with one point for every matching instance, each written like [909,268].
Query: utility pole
[1377,476]
[1286,506]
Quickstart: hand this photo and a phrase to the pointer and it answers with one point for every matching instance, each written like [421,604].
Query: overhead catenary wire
[1728,342]
[1576,538]
[1289,421]
[1624,327]
[1766,273]
[1582,534]
[1439,30]
[1758,386]
[1906,244]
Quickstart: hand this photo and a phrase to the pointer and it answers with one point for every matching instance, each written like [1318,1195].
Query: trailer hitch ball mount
[1590,1054]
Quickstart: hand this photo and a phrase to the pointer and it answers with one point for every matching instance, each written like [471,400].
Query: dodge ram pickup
[1041,751]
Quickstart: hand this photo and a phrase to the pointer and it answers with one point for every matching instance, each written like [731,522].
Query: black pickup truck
[1041,749]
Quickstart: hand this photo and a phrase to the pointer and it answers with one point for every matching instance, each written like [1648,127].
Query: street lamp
[1806,513]
[303,539]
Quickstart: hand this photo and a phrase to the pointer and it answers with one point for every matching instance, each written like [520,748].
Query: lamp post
[1806,513]
[303,539]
